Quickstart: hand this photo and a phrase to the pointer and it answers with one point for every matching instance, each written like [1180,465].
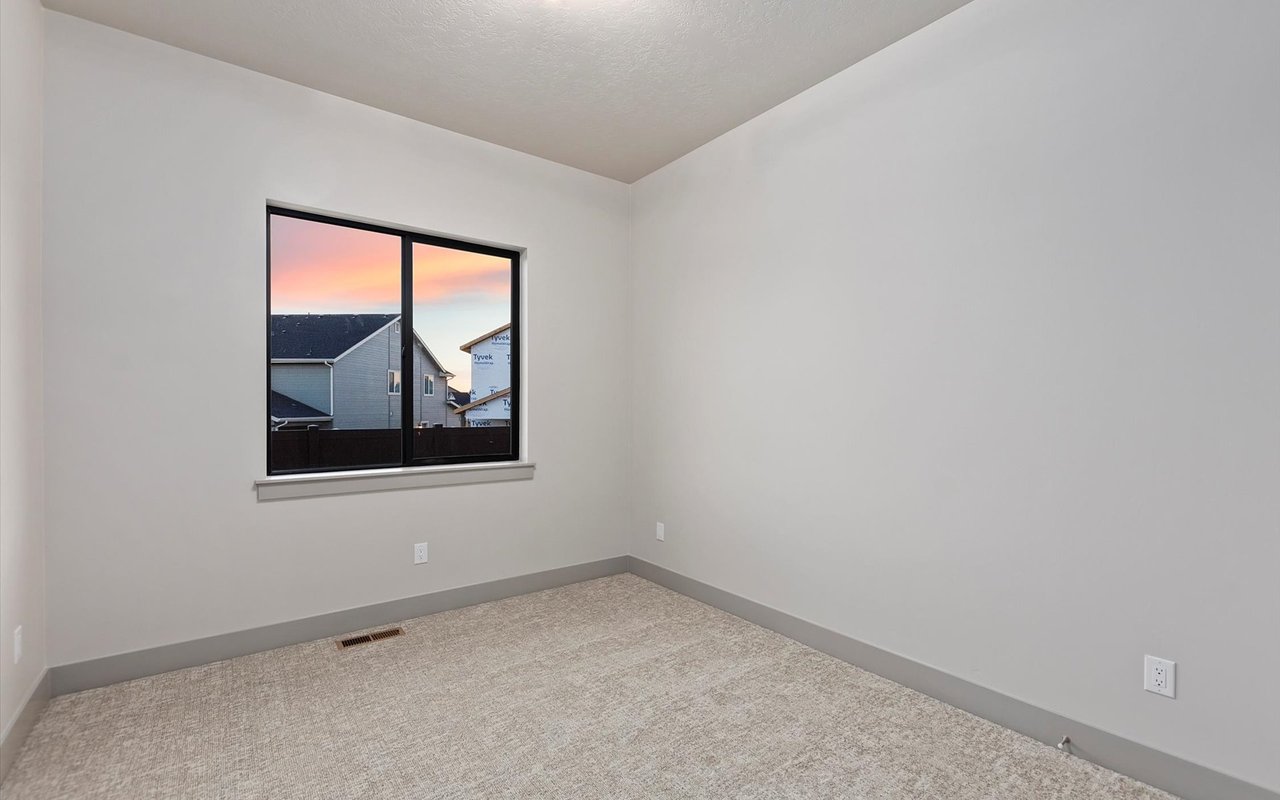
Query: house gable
[356,352]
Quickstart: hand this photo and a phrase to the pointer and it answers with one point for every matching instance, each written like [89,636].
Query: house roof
[483,400]
[459,397]
[322,336]
[285,407]
[466,348]
[326,337]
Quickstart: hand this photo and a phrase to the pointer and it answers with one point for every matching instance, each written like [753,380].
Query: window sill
[284,487]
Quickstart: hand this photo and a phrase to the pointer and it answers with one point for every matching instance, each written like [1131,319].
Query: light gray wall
[159,164]
[306,383]
[360,398]
[1024,264]
[22,532]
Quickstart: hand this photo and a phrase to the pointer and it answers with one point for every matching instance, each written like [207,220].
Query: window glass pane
[393,381]
[334,303]
[462,320]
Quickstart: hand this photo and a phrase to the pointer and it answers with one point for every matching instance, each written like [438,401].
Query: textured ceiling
[615,87]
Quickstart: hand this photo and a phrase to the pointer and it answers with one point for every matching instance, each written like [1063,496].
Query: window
[352,305]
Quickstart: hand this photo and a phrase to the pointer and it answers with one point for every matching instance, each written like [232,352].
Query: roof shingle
[322,335]
[285,407]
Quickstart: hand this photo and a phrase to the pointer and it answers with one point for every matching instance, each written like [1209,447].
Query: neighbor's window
[340,294]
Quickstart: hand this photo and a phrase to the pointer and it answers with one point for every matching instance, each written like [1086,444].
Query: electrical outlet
[662,532]
[17,644]
[1158,675]
[420,553]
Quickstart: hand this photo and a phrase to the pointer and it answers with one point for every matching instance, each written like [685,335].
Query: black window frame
[407,375]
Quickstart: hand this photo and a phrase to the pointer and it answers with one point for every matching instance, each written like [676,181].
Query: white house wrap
[490,380]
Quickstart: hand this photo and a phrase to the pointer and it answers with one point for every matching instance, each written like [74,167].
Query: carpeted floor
[611,688]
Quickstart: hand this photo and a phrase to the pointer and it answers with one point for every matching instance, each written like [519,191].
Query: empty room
[417,399]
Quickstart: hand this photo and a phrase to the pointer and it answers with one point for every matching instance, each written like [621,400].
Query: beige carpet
[611,688]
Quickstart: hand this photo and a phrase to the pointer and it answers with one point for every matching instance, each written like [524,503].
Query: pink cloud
[331,268]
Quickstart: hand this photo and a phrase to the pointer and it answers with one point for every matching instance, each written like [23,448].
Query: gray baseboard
[1183,778]
[141,663]
[12,742]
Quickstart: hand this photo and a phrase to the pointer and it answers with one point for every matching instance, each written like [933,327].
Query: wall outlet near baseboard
[17,644]
[1158,675]
[662,532]
[420,553]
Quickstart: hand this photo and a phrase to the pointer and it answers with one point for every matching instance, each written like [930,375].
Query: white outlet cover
[662,532]
[1159,676]
[420,553]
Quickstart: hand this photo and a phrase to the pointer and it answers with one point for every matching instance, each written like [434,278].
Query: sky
[318,268]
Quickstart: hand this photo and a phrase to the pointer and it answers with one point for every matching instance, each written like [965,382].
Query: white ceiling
[615,87]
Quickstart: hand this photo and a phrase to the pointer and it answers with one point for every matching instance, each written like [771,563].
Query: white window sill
[283,487]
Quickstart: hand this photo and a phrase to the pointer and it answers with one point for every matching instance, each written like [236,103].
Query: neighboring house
[490,402]
[457,399]
[343,371]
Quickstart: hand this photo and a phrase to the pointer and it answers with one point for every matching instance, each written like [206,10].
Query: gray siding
[429,410]
[360,396]
[306,383]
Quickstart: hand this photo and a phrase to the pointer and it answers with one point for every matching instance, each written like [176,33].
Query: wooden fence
[314,448]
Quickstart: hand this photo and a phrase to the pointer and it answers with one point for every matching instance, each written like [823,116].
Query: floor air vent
[365,638]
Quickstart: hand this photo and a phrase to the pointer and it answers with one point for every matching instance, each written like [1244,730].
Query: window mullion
[407,377]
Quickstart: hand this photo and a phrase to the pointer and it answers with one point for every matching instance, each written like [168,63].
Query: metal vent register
[365,638]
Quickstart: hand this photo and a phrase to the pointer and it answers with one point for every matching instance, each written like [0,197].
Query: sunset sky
[331,269]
